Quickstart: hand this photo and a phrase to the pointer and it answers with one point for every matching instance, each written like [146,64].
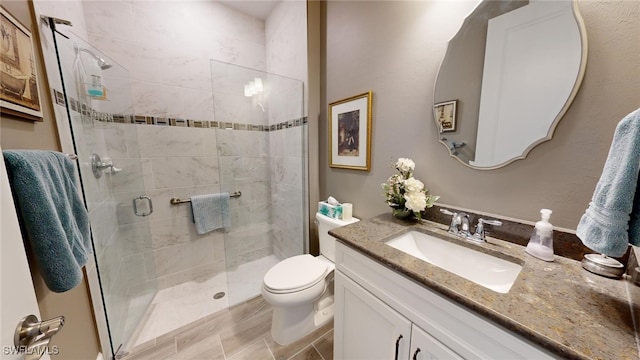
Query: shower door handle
[147,209]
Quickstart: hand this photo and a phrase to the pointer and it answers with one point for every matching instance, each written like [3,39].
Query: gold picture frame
[445,113]
[350,132]
[19,88]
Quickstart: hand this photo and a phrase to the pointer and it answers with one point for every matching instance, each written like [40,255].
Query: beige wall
[394,49]
[78,337]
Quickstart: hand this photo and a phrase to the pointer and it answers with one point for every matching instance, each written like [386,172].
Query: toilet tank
[328,242]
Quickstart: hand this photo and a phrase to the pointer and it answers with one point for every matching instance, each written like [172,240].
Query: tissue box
[332,211]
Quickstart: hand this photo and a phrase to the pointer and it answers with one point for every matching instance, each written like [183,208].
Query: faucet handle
[490,222]
[480,232]
[448,212]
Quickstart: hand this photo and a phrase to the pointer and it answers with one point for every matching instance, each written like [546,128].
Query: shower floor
[185,303]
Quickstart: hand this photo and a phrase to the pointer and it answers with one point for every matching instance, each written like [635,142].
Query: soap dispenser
[541,242]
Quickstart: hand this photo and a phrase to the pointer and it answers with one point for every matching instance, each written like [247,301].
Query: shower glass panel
[260,148]
[100,108]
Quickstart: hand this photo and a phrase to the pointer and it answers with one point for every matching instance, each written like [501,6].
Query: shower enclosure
[156,273]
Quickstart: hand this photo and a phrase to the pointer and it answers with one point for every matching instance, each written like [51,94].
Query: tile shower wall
[286,55]
[172,81]
[176,162]
[167,45]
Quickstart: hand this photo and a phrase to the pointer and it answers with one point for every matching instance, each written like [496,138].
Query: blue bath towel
[210,212]
[612,220]
[52,214]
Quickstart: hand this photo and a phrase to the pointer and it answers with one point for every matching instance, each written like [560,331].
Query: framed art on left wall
[19,88]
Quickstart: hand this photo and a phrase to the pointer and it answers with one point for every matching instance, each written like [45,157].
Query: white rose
[416,200]
[413,185]
[405,165]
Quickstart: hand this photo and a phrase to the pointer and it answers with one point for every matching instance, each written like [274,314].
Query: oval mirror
[508,76]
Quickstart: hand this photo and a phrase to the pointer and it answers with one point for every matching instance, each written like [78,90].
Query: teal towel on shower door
[210,212]
[52,213]
[612,220]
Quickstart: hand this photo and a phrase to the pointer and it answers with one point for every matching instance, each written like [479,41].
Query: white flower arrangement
[406,194]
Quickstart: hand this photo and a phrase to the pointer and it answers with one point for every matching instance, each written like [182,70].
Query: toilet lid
[295,273]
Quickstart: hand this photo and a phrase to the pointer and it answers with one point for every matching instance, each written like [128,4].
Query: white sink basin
[489,271]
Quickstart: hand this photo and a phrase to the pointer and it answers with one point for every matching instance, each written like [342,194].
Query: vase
[403,213]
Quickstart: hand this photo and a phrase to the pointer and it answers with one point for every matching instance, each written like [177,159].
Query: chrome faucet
[460,226]
[459,223]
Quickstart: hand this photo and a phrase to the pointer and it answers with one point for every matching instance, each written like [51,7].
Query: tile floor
[242,332]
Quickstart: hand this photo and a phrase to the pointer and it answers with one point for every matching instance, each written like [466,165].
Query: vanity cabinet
[376,307]
[368,329]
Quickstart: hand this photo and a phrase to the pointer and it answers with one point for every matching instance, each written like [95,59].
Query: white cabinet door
[426,347]
[365,327]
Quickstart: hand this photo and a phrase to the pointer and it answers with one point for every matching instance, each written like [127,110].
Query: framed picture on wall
[350,133]
[19,93]
[446,115]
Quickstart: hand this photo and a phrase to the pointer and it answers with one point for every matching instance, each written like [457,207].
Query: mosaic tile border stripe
[86,110]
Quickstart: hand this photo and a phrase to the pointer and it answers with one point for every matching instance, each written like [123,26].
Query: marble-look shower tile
[116,142]
[241,143]
[240,217]
[260,213]
[172,231]
[247,53]
[108,266]
[152,26]
[154,99]
[132,271]
[187,171]
[141,61]
[197,274]
[197,104]
[176,258]
[135,238]
[111,19]
[232,107]
[129,179]
[293,143]
[185,71]
[210,141]
[247,238]
[170,141]
[119,95]
[276,143]
[103,226]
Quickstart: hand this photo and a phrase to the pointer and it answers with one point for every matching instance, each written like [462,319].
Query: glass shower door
[259,135]
[100,108]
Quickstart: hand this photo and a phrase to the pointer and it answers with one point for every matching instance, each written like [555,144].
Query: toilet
[300,288]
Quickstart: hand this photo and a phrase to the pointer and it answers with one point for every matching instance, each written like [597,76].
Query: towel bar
[176,201]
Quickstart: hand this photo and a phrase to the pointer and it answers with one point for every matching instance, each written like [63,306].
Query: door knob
[32,336]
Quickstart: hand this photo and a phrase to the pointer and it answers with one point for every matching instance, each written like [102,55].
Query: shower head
[101,62]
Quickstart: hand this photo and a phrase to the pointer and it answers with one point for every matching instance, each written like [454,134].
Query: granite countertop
[558,305]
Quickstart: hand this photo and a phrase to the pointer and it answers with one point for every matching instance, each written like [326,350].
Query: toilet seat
[294,274]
